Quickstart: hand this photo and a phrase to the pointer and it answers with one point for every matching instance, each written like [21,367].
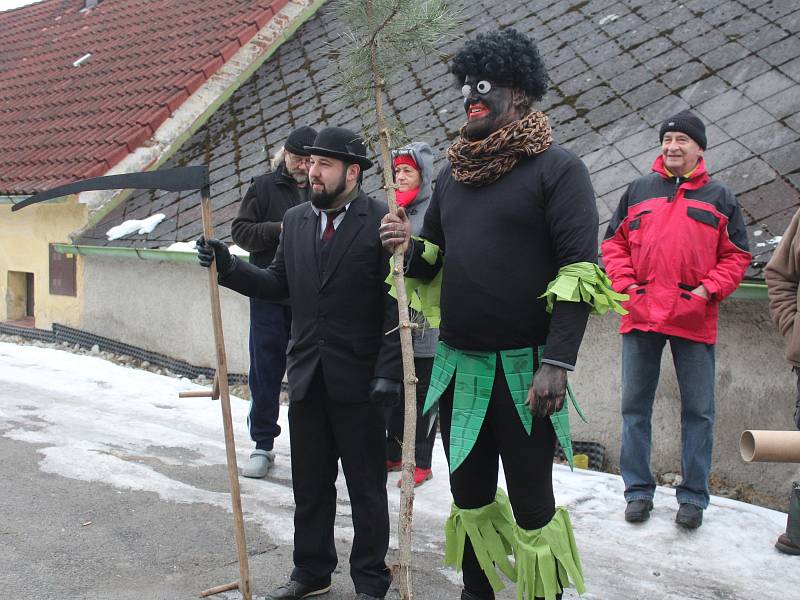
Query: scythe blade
[172,180]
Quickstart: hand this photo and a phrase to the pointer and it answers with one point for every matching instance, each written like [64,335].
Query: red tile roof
[59,123]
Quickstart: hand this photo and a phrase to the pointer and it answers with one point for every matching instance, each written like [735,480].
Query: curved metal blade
[172,180]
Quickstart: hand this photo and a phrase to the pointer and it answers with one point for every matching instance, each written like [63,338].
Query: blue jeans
[270,327]
[694,366]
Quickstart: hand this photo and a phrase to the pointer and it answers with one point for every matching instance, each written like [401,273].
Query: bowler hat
[299,139]
[341,143]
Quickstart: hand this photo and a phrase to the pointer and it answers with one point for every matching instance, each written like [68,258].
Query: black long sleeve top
[502,244]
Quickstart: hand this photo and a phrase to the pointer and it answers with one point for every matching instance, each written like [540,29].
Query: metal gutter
[173,256]
[12,199]
[747,290]
[750,290]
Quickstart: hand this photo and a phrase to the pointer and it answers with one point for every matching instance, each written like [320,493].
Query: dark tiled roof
[59,123]
[617,68]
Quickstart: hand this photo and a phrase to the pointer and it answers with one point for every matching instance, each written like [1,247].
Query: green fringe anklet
[491,530]
[547,559]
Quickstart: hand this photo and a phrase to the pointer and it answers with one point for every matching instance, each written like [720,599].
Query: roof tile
[611,89]
[142,54]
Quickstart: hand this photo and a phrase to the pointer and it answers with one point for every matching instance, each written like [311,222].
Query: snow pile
[182,247]
[608,19]
[96,421]
[142,227]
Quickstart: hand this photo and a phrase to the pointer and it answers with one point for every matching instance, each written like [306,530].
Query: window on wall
[62,273]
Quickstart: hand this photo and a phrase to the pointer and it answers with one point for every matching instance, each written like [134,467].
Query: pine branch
[383,36]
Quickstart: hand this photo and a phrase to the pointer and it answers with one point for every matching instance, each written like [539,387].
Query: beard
[299,175]
[327,197]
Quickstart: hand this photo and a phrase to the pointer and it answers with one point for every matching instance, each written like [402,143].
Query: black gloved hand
[385,391]
[547,391]
[212,249]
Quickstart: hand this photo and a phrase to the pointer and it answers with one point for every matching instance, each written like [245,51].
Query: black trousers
[527,464]
[423,445]
[270,329]
[321,432]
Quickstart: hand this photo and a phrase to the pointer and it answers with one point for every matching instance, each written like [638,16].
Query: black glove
[547,391]
[385,391]
[212,249]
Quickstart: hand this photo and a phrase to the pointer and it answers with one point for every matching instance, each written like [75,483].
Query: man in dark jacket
[677,245]
[257,229]
[341,366]
[512,226]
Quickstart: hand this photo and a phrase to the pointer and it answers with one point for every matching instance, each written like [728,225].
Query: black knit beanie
[299,139]
[688,123]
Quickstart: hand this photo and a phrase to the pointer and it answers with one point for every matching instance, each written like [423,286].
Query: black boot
[789,542]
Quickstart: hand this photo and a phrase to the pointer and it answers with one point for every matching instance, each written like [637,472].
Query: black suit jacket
[339,317]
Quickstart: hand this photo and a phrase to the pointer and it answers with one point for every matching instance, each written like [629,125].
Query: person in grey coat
[413,174]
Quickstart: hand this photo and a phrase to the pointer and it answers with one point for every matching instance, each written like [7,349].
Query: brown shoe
[787,546]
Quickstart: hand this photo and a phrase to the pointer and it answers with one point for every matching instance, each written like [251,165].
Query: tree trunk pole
[409,375]
[221,380]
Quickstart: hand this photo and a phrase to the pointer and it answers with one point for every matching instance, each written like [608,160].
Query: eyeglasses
[297,159]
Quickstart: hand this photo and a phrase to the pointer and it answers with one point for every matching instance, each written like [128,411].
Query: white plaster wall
[755,390]
[163,307]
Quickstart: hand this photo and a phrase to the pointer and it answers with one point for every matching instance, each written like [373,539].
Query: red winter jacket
[668,235]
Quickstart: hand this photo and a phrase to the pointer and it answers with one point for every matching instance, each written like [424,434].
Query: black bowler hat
[341,143]
[685,122]
[300,138]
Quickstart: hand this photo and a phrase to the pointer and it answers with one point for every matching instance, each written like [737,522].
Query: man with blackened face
[490,105]
[515,216]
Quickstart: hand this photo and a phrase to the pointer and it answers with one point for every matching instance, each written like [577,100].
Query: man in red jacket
[677,245]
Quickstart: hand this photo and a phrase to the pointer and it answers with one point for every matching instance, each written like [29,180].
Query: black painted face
[489,106]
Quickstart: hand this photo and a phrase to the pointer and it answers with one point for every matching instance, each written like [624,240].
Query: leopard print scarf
[484,161]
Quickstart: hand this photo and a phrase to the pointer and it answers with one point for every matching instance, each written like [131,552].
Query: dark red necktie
[329,228]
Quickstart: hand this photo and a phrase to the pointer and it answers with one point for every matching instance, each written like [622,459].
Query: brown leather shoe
[787,546]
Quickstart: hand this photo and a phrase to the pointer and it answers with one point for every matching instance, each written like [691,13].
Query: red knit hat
[406,159]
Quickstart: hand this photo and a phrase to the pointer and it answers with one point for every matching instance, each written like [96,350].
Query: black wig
[505,56]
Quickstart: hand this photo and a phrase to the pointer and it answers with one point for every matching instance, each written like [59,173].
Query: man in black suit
[341,367]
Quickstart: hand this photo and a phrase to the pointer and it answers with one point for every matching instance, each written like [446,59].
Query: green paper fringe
[491,530]
[547,559]
[472,392]
[584,282]
[423,296]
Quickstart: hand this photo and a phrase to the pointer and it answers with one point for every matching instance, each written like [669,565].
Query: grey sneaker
[260,463]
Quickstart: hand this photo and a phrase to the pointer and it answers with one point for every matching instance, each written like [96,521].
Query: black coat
[338,318]
[257,227]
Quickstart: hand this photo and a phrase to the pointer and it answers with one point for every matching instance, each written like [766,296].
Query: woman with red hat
[413,174]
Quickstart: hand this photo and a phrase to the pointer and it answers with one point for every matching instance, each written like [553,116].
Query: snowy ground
[99,422]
